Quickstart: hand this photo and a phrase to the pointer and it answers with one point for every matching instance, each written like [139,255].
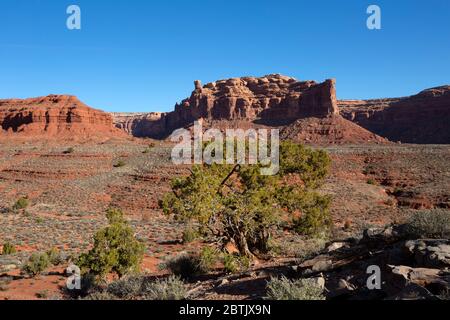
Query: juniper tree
[236,203]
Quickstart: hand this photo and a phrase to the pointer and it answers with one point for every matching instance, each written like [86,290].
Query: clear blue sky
[143,55]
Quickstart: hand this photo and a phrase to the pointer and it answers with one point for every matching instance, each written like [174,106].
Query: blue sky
[143,55]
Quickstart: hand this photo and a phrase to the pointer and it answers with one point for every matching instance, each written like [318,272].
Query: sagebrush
[301,289]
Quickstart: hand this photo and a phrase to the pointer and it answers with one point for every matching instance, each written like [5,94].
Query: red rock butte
[273,99]
[58,116]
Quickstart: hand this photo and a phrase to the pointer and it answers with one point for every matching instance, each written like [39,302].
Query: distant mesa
[284,102]
[304,111]
[423,118]
[271,100]
[59,116]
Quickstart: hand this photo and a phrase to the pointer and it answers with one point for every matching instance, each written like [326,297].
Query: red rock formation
[329,130]
[422,118]
[138,124]
[54,115]
[271,99]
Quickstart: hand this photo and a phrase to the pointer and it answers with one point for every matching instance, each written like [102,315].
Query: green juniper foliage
[8,248]
[21,203]
[236,202]
[115,249]
[36,264]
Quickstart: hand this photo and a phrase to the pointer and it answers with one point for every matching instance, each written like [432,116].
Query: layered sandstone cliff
[272,99]
[329,130]
[54,116]
[423,118]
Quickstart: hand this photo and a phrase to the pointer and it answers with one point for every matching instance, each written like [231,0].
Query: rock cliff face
[54,115]
[329,130]
[270,99]
[139,124]
[423,118]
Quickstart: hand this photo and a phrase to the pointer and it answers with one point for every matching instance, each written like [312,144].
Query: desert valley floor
[69,192]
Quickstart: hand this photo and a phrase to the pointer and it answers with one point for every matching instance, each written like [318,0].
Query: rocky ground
[70,185]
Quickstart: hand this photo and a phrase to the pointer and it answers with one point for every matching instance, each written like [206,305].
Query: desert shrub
[285,289]
[69,150]
[316,217]
[115,249]
[234,263]
[99,296]
[190,235]
[135,287]
[184,265]
[8,248]
[120,164]
[126,288]
[172,288]
[430,223]
[208,258]
[236,203]
[187,265]
[230,263]
[55,256]
[371,182]
[300,249]
[151,145]
[36,264]
[21,203]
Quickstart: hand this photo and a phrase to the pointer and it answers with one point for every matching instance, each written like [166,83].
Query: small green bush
[234,263]
[55,257]
[208,258]
[115,249]
[21,203]
[36,264]
[190,235]
[120,164]
[172,288]
[188,265]
[316,218]
[285,289]
[430,224]
[371,182]
[8,248]
[184,265]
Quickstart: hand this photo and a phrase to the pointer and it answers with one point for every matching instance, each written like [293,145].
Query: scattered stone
[430,253]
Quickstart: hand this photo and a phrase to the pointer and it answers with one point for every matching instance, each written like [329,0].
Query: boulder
[430,253]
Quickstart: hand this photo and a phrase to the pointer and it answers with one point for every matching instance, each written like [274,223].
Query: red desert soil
[69,193]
